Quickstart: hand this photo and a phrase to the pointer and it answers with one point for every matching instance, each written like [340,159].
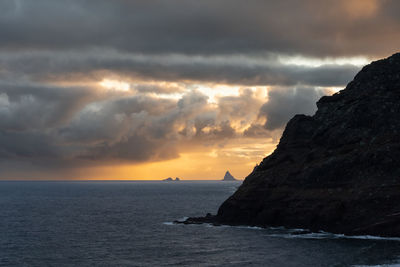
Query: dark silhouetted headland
[336,171]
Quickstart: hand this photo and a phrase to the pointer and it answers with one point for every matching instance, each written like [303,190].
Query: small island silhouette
[228,177]
[170,179]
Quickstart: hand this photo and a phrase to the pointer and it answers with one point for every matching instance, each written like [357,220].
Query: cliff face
[338,170]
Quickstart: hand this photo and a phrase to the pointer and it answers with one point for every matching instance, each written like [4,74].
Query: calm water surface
[128,224]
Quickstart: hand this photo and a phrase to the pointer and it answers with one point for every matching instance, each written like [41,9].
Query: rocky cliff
[228,177]
[337,171]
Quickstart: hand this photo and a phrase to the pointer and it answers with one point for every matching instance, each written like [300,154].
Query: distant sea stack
[169,179]
[336,171]
[228,177]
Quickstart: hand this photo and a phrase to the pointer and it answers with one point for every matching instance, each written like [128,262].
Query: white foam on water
[250,227]
[277,228]
[234,226]
[183,219]
[179,220]
[325,235]
[298,233]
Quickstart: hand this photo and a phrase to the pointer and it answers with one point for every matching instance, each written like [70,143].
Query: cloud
[95,65]
[180,75]
[46,128]
[311,27]
[62,124]
[37,107]
[284,103]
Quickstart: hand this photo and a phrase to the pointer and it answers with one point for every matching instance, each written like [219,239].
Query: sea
[118,223]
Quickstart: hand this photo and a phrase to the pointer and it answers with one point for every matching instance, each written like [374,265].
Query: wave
[283,232]
[307,234]
[326,235]
[174,222]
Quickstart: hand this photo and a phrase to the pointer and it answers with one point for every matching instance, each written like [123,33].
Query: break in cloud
[89,83]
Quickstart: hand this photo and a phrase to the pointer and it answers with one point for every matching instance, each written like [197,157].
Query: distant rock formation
[336,171]
[169,179]
[228,177]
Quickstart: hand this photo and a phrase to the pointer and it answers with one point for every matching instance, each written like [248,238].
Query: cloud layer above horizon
[86,84]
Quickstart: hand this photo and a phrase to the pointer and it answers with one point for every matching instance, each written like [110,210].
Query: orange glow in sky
[239,159]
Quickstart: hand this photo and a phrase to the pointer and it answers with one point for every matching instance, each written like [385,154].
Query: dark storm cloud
[62,124]
[128,129]
[284,103]
[257,130]
[233,70]
[27,106]
[27,144]
[310,27]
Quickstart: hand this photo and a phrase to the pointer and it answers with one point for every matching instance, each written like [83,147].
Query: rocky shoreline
[337,171]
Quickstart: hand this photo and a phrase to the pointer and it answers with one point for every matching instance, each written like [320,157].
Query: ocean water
[130,224]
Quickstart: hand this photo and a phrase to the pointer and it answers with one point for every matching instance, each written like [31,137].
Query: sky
[141,89]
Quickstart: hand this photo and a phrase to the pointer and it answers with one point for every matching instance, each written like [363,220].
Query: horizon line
[108,180]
